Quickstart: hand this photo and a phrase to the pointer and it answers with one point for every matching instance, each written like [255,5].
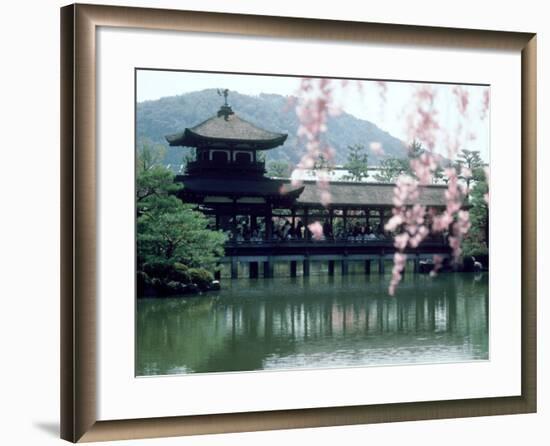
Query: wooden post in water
[367,266]
[345,265]
[253,268]
[381,266]
[306,267]
[331,267]
[234,268]
[293,268]
[268,268]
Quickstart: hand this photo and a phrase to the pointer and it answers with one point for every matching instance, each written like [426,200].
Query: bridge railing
[334,242]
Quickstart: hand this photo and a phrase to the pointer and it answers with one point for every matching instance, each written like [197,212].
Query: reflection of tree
[250,327]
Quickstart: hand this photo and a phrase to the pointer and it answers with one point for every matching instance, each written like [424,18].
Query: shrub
[180,273]
[143,283]
[143,279]
[159,270]
[201,277]
[180,266]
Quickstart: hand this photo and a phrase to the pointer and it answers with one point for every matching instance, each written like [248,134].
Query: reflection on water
[315,322]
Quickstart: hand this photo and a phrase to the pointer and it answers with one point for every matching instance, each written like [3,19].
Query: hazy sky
[364,102]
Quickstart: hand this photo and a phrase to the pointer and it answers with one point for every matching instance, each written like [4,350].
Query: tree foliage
[469,166]
[357,163]
[393,167]
[278,169]
[169,231]
[476,241]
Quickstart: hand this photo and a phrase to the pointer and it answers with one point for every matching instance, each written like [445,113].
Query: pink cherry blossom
[382,90]
[485,103]
[376,148]
[316,230]
[466,172]
[315,105]
[462,98]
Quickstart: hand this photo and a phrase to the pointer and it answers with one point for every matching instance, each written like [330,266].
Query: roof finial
[225,109]
[224,93]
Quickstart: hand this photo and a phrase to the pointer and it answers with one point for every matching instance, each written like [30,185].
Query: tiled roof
[368,194]
[351,194]
[229,130]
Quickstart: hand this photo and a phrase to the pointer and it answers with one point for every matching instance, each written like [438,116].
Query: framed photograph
[273,223]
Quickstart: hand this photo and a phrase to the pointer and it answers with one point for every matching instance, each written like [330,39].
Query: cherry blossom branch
[411,222]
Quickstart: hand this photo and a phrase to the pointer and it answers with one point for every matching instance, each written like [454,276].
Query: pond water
[315,322]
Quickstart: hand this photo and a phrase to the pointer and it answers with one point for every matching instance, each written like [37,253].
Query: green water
[315,322]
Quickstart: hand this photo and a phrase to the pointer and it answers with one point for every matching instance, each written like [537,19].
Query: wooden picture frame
[78,216]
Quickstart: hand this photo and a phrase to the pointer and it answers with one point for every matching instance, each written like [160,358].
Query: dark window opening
[243,158]
[219,157]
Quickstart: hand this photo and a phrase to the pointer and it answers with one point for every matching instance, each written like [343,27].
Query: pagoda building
[227,177]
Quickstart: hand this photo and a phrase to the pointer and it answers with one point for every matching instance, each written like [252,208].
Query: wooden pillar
[367,215]
[345,265]
[331,267]
[293,218]
[416,264]
[253,223]
[306,223]
[293,268]
[234,268]
[234,223]
[345,219]
[269,268]
[268,223]
[306,267]
[381,266]
[367,266]
[253,268]
[381,224]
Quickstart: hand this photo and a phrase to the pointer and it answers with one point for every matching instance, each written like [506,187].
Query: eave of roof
[238,187]
[343,194]
[231,131]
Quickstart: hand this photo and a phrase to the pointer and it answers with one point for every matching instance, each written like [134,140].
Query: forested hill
[168,115]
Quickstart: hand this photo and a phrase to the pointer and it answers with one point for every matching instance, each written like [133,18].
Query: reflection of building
[267,218]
